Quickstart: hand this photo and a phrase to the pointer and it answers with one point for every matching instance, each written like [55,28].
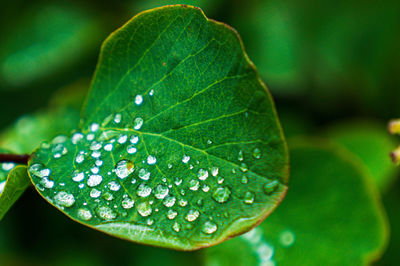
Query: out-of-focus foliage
[325,62]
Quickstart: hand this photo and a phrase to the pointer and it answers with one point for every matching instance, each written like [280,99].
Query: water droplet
[244,180]
[59,150]
[243,167]
[209,227]
[169,201]
[124,168]
[114,186]
[46,182]
[64,199]
[271,187]
[151,93]
[240,156]
[171,214]
[137,123]
[94,193]
[202,174]
[151,159]
[185,158]
[90,137]
[214,171]
[150,221]
[205,188]
[134,139]
[105,213]
[108,196]
[108,147]
[79,158]
[127,203]
[39,170]
[7,166]
[94,170]
[96,154]
[178,181]
[194,185]
[209,142]
[122,139]
[257,153]
[221,194]
[84,214]
[176,227]
[99,163]
[117,118]
[248,197]
[95,146]
[144,174]
[287,238]
[94,180]
[220,180]
[76,137]
[94,127]
[131,149]
[183,202]
[143,190]
[138,99]
[161,192]
[192,215]
[144,209]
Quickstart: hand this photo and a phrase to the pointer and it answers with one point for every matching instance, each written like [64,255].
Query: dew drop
[209,227]
[221,194]
[243,167]
[257,153]
[185,158]
[192,215]
[138,99]
[127,203]
[94,180]
[194,185]
[137,123]
[108,196]
[105,213]
[39,170]
[64,199]
[150,221]
[209,142]
[202,174]
[131,149]
[124,168]
[46,182]
[161,192]
[183,202]
[151,93]
[134,139]
[248,197]
[143,190]
[122,139]
[214,171]
[94,127]
[99,163]
[108,147]
[205,188]
[169,201]
[94,193]
[76,137]
[151,159]
[171,214]
[94,170]
[244,180]
[117,118]
[240,156]
[7,166]
[144,174]
[178,181]
[271,187]
[176,227]
[114,186]
[79,158]
[95,146]
[90,137]
[144,209]
[84,214]
[220,180]
[96,154]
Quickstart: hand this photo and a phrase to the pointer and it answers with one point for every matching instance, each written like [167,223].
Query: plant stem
[14,158]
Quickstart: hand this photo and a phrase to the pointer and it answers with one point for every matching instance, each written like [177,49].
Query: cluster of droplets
[136,184]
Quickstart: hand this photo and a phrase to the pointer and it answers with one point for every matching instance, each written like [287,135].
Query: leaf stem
[14,158]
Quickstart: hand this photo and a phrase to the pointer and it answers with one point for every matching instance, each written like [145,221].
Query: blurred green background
[331,66]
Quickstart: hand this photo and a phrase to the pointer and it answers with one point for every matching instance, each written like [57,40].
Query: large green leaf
[332,215]
[371,143]
[179,144]
[15,185]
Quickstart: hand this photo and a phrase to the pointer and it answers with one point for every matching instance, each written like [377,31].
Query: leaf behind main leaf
[179,144]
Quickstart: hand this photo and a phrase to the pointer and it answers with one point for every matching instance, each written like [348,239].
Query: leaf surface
[179,144]
[331,214]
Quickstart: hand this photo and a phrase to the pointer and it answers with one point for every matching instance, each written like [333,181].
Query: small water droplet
[151,93]
[220,180]
[194,185]
[95,146]
[240,156]
[209,227]
[161,192]
[209,142]
[171,214]
[39,170]
[76,137]
[221,194]
[78,176]
[94,180]
[96,154]
[150,221]
[127,203]
[178,181]
[192,215]
[64,199]
[90,137]
[122,139]
[257,153]
[94,193]
[176,227]
[243,167]
[131,149]
[105,213]
[144,174]
[185,158]
[214,171]
[84,214]
[46,182]
[143,190]
[151,159]
[248,197]
[124,168]
[114,186]
[205,188]
[271,187]
[94,170]
[144,209]
[183,202]
[244,180]
[138,123]
[108,147]
[202,174]
[117,118]
[94,127]
[138,99]
[108,196]
[169,201]
[134,139]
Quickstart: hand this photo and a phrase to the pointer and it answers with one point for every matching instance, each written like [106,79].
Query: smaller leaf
[17,182]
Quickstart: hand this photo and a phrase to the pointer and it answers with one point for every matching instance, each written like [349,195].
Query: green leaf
[17,182]
[371,143]
[178,138]
[47,39]
[331,214]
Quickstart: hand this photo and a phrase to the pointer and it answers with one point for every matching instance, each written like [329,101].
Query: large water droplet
[84,214]
[221,194]
[209,227]
[108,147]
[105,213]
[76,137]
[144,209]
[46,182]
[94,180]
[39,170]
[248,197]
[124,168]
[114,186]
[192,215]
[161,192]
[143,190]
[78,176]
[64,199]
